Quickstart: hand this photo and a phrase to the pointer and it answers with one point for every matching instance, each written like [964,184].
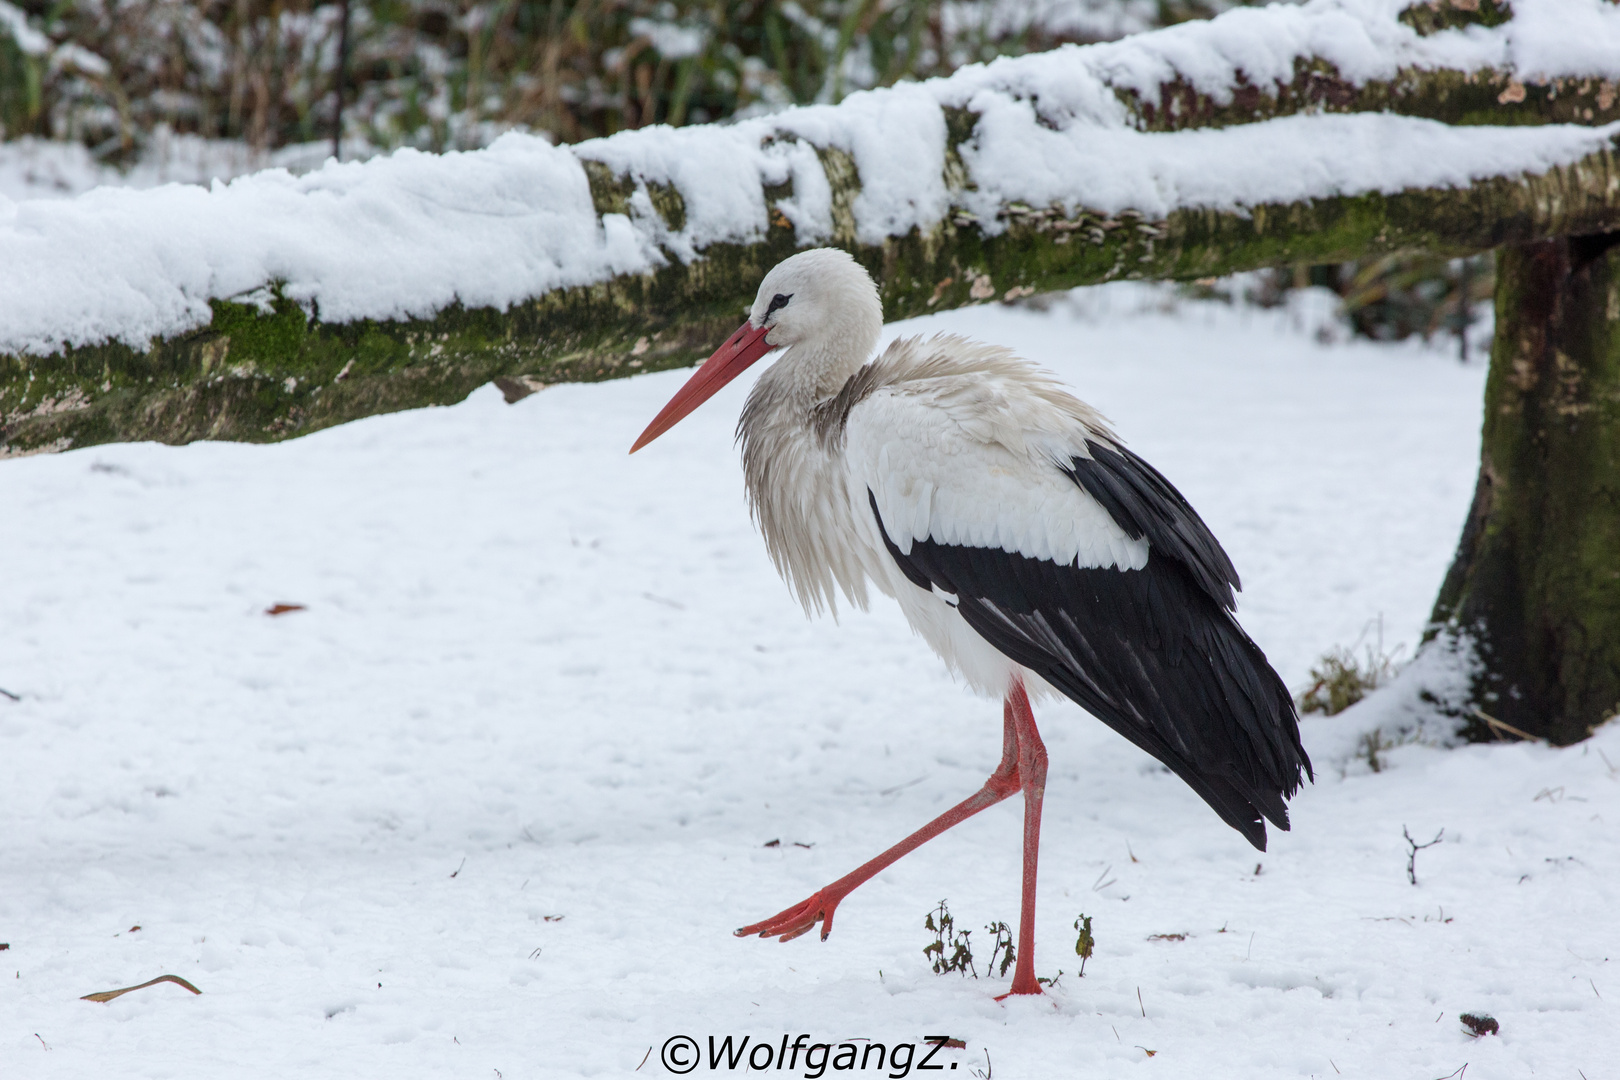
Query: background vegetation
[450,74]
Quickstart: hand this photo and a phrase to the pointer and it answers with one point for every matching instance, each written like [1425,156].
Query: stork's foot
[1021,991]
[799,919]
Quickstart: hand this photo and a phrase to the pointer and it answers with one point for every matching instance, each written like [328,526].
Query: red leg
[1032,770]
[802,917]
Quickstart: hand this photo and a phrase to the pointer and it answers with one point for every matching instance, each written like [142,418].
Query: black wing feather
[1144,503]
[1153,653]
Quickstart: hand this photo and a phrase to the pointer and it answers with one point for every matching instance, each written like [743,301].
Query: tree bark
[1487,96]
[1535,588]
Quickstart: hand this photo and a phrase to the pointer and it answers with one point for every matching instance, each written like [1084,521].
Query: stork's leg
[802,917]
[1032,771]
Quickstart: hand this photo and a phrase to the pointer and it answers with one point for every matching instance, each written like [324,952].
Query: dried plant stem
[108,995]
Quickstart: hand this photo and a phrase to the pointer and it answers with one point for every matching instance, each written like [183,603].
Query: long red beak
[729,360]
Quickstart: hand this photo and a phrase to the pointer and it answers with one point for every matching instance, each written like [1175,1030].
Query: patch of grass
[1085,944]
[952,949]
[1341,677]
[1002,947]
[959,957]
[1372,745]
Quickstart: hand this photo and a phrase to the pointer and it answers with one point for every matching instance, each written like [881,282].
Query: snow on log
[277,305]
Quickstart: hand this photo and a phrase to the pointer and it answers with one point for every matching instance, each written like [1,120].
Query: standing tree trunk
[1535,586]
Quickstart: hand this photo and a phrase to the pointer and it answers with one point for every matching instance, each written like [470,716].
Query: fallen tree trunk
[1047,172]
[266,370]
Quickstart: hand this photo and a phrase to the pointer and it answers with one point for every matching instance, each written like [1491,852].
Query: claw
[797,920]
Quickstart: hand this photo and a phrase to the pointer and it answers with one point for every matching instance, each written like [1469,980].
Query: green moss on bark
[1434,16]
[1453,97]
[1536,581]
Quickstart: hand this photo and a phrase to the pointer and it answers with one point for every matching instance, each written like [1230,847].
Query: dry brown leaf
[107,995]
[282,609]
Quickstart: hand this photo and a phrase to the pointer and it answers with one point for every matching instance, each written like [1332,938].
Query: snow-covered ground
[491,806]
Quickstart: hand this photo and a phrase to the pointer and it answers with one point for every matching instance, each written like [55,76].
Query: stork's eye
[778,301]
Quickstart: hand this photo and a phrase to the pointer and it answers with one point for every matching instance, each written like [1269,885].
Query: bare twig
[1411,856]
[338,84]
[1498,726]
[107,995]
[901,787]
[7,693]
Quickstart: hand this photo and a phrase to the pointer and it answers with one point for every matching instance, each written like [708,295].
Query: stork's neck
[811,372]
[794,480]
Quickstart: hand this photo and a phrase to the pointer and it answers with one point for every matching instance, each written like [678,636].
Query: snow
[672,40]
[1545,39]
[1579,37]
[1098,20]
[897,138]
[14,21]
[1292,158]
[406,235]
[539,678]
[350,241]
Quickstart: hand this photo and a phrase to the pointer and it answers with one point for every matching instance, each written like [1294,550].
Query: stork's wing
[1113,591]
[1144,503]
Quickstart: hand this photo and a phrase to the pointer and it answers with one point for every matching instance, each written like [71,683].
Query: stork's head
[820,305]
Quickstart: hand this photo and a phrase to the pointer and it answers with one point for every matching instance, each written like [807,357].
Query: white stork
[1022,540]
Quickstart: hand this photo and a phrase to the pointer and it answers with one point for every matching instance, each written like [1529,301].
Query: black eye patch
[778,301]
